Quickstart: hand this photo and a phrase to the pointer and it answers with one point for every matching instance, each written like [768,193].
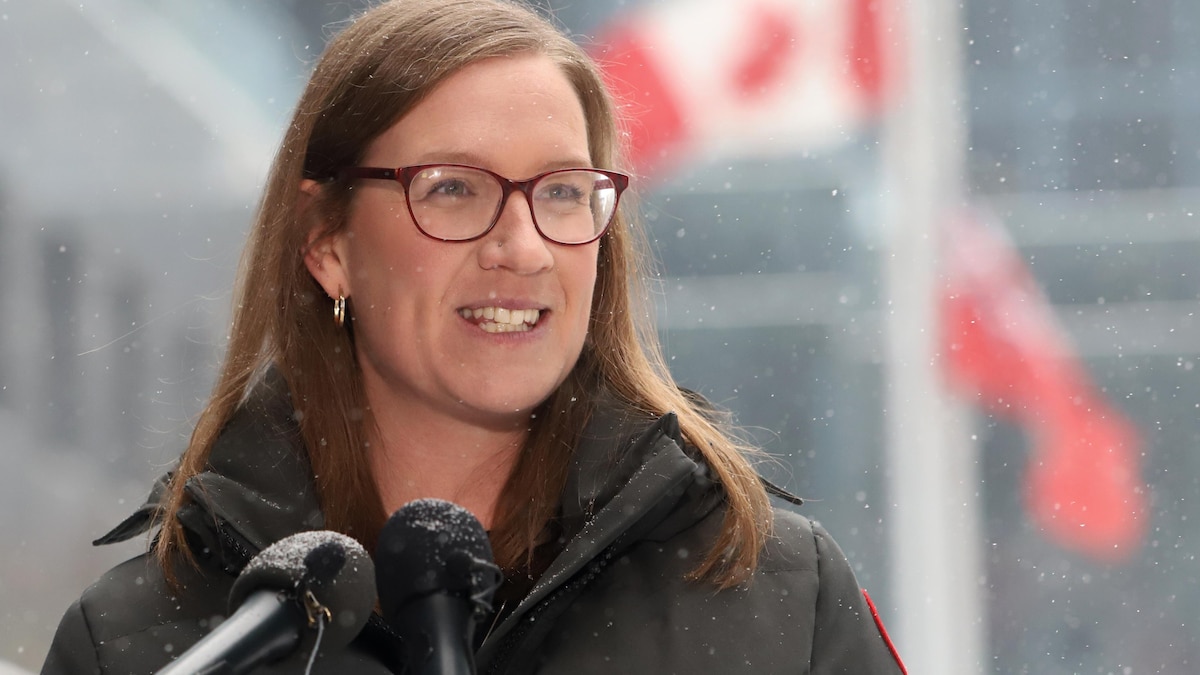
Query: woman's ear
[325,254]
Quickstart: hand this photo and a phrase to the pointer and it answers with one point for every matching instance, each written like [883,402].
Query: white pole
[936,541]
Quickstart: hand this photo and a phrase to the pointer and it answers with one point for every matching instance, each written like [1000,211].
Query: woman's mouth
[500,319]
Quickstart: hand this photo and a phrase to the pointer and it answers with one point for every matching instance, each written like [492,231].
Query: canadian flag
[768,77]
[757,77]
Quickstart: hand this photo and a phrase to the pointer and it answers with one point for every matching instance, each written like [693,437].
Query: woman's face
[414,300]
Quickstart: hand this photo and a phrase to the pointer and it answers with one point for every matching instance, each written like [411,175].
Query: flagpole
[936,542]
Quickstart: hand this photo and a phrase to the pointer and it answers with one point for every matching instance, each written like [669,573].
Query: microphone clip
[315,610]
[476,578]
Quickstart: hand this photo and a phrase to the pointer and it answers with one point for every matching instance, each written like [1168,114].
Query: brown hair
[371,75]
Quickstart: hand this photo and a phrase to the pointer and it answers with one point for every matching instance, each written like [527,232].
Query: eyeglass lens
[454,203]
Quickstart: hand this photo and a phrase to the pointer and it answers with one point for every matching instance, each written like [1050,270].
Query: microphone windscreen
[335,568]
[427,546]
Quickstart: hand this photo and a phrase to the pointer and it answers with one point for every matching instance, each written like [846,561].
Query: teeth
[492,327]
[502,320]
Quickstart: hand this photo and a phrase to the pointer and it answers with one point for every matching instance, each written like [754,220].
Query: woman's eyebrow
[473,159]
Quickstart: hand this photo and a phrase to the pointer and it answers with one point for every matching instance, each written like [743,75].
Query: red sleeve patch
[883,633]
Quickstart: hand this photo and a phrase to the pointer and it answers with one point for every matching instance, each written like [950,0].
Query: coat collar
[258,487]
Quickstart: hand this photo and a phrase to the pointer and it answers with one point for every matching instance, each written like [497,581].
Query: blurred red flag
[770,77]
[1003,344]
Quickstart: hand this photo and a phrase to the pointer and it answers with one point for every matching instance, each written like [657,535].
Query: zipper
[562,596]
[238,546]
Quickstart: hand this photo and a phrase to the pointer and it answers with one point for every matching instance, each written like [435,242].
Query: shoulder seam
[87,626]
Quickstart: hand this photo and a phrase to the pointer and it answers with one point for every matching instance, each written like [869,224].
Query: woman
[449,186]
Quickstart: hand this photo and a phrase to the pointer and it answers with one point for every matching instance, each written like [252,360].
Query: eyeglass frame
[405,175]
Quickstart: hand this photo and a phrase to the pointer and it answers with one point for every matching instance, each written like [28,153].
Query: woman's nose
[515,243]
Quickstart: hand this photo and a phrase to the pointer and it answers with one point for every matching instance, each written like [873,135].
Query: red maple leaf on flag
[773,37]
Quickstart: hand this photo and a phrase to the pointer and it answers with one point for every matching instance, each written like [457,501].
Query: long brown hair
[371,75]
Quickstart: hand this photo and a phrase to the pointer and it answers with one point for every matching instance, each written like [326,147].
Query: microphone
[316,579]
[436,575]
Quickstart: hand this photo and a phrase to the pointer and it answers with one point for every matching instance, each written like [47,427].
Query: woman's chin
[501,412]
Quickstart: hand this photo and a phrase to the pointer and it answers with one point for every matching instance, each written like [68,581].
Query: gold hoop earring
[339,311]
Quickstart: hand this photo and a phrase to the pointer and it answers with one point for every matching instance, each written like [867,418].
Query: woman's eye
[563,192]
[450,188]
[444,188]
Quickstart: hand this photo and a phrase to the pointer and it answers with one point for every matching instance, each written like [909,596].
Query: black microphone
[435,574]
[319,580]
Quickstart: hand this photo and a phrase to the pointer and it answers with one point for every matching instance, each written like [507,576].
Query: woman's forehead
[496,107]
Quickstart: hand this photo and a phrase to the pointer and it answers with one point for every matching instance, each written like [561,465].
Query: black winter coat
[639,511]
